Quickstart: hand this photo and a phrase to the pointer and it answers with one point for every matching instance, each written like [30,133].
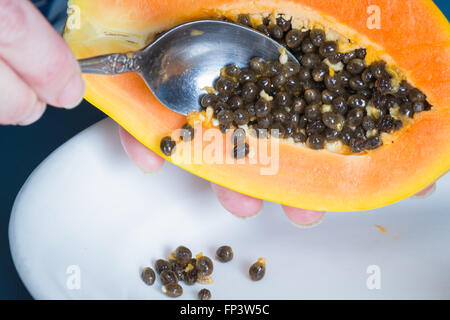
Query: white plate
[87,211]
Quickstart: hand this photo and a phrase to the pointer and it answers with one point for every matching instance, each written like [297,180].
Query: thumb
[35,51]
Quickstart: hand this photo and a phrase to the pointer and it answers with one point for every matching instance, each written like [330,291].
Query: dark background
[23,148]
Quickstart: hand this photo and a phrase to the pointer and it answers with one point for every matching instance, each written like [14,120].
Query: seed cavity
[265,96]
[332,99]
[283,56]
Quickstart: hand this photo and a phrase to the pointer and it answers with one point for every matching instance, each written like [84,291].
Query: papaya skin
[414,38]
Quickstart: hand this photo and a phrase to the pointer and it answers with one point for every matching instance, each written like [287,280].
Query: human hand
[37,67]
[237,203]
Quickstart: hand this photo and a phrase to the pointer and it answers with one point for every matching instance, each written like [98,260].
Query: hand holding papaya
[38,68]
[237,203]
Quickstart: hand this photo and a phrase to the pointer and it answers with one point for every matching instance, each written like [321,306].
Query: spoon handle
[111,64]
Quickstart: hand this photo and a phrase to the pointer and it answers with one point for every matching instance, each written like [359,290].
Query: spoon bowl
[180,63]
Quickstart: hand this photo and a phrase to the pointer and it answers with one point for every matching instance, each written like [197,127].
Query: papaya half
[412,37]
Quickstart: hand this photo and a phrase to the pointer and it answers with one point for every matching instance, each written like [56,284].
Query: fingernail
[37,111]
[303,218]
[425,193]
[249,215]
[72,95]
[308,225]
[145,169]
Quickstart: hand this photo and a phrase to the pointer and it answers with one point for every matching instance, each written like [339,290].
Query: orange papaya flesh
[413,39]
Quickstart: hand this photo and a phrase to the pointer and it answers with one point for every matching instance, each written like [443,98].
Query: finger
[35,51]
[18,103]
[144,158]
[302,217]
[428,191]
[237,203]
[36,113]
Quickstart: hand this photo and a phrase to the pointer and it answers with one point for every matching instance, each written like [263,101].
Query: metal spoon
[179,64]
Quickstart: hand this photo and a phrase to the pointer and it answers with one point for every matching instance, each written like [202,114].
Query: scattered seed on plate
[224,254]
[183,267]
[204,294]
[177,267]
[161,265]
[172,290]
[258,269]
[168,276]
[204,265]
[182,254]
[190,274]
[148,276]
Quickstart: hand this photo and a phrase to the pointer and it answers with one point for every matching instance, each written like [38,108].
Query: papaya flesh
[414,40]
